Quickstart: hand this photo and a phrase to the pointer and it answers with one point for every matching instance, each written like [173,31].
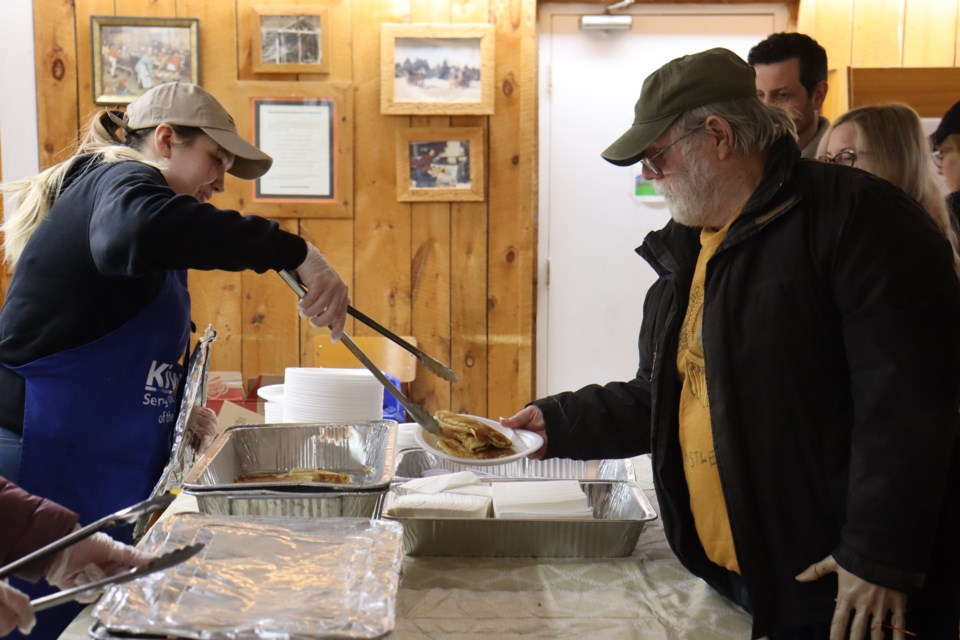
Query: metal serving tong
[433,366]
[418,413]
[123,516]
[165,561]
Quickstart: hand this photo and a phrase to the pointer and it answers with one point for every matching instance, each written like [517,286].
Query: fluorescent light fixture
[606,22]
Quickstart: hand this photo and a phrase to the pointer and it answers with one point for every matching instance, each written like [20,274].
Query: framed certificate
[300,135]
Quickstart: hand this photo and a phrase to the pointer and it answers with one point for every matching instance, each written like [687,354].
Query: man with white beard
[799,371]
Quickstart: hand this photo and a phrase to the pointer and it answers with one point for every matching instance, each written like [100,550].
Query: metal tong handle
[159,563]
[129,514]
[418,413]
[432,365]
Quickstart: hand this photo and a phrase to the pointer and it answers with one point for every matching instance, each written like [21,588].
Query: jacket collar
[778,169]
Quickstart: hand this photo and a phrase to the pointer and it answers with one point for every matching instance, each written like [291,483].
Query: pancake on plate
[465,437]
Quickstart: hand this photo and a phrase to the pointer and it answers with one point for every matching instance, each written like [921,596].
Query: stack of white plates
[272,412]
[313,394]
[273,405]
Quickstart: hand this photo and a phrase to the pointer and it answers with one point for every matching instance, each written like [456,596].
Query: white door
[591,282]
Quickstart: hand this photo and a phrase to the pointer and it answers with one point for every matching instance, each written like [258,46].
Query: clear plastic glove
[15,610]
[92,559]
[325,304]
[870,602]
[202,423]
[531,419]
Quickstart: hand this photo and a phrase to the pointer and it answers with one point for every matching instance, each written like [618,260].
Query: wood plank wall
[880,33]
[457,276]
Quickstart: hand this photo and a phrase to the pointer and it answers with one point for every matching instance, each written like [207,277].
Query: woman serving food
[97,315]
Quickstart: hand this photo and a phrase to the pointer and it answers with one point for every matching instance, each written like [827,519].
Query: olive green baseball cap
[189,105]
[715,75]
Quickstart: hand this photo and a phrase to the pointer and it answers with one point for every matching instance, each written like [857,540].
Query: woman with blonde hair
[97,315]
[888,141]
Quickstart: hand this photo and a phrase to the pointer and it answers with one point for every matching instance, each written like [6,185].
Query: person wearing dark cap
[97,315]
[799,371]
[946,155]
[792,75]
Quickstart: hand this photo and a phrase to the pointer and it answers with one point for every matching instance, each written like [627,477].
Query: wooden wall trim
[931,90]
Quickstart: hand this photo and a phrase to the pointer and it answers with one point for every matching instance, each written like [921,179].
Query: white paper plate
[524,443]
[272,392]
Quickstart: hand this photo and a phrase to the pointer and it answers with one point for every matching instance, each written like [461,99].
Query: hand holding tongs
[418,413]
[161,562]
[123,516]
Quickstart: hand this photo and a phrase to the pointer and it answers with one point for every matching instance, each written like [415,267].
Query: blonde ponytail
[106,135]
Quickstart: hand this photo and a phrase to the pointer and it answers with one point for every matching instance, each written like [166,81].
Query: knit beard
[696,196]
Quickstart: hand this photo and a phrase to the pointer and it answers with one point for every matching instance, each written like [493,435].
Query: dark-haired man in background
[792,75]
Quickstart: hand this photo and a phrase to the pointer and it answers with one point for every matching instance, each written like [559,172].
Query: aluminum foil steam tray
[620,512]
[279,578]
[290,504]
[364,451]
[417,463]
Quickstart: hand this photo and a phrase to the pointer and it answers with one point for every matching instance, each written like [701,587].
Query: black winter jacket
[831,329]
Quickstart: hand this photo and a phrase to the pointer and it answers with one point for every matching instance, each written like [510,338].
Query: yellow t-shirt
[696,434]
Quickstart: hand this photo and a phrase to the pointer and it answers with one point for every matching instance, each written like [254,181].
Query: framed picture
[132,55]
[300,135]
[436,69]
[290,39]
[307,128]
[436,165]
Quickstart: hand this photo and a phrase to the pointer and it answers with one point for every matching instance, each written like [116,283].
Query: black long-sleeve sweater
[101,254]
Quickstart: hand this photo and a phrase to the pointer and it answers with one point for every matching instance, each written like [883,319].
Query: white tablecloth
[648,595]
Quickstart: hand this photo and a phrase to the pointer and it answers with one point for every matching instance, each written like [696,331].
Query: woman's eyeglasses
[938,156]
[846,157]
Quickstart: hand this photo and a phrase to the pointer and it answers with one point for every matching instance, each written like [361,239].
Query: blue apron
[98,420]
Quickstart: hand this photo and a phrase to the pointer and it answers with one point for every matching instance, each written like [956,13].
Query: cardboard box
[223,386]
[263,380]
[232,414]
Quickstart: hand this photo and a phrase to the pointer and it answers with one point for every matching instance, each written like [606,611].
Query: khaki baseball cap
[715,75]
[189,105]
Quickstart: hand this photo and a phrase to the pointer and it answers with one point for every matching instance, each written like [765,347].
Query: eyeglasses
[846,157]
[938,156]
[648,162]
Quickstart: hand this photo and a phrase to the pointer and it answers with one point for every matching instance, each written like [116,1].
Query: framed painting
[290,39]
[436,69]
[436,165]
[133,55]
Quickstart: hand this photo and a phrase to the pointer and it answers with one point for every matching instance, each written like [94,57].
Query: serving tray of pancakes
[302,457]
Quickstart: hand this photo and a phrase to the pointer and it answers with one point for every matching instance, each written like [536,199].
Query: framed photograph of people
[132,55]
[437,165]
[290,39]
[436,69]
